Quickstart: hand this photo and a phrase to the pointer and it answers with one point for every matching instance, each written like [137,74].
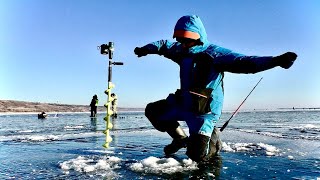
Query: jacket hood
[191,26]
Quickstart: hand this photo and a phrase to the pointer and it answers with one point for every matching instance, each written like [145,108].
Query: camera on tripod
[107,49]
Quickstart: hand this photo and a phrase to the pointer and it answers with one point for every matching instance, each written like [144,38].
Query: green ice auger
[104,50]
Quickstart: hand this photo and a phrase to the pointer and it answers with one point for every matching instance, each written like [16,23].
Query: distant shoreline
[53,113]
[8,107]
[142,111]
[14,107]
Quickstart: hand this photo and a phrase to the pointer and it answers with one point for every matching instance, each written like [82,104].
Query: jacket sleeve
[163,47]
[226,60]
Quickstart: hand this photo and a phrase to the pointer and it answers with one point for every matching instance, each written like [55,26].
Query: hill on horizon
[24,106]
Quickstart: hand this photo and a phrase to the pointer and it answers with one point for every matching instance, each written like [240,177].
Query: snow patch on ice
[104,166]
[265,149]
[163,165]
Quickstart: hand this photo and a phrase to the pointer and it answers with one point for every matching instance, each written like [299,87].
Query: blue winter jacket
[202,66]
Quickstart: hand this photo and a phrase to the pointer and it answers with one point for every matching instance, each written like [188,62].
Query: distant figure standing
[42,115]
[93,105]
[114,104]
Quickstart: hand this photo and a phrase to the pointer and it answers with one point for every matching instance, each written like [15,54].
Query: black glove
[140,51]
[286,60]
[198,147]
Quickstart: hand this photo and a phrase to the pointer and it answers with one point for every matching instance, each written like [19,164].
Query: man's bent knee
[153,111]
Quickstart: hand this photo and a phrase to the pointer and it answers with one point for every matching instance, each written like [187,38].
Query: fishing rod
[234,113]
[104,50]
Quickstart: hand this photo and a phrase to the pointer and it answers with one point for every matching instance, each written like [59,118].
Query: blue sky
[48,49]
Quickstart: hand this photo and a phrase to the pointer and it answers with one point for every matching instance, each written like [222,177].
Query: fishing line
[234,113]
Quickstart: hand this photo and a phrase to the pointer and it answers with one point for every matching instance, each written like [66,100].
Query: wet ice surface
[70,147]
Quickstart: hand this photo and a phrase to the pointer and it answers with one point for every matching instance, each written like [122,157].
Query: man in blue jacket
[199,100]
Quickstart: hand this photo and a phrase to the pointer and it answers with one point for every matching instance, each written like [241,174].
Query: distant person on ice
[114,104]
[94,105]
[199,100]
[42,115]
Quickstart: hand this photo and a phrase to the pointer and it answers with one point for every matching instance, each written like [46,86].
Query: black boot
[215,143]
[179,140]
[198,149]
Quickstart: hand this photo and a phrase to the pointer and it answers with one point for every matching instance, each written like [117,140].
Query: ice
[74,127]
[307,127]
[268,150]
[27,138]
[48,137]
[42,138]
[105,151]
[26,131]
[290,157]
[163,165]
[51,151]
[104,166]
[271,134]
[310,126]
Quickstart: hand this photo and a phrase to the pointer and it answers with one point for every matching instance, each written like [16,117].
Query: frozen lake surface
[256,145]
